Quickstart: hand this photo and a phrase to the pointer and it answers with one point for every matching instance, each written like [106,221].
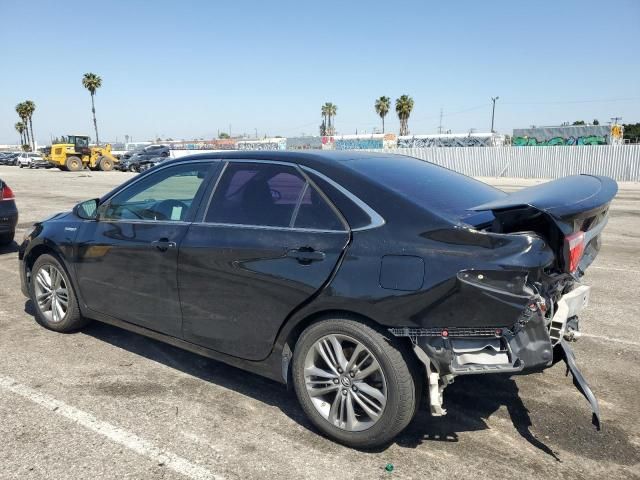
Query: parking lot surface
[106,403]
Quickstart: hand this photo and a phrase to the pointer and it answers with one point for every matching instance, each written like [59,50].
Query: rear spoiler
[575,203]
[568,197]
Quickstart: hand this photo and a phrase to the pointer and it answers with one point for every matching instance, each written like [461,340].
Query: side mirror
[87,210]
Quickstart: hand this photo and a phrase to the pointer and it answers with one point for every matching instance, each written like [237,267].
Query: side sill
[270,367]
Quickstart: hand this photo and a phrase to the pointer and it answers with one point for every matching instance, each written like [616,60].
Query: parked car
[131,161]
[26,159]
[8,214]
[365,280]
[40,162]
[9,158]
[145,165]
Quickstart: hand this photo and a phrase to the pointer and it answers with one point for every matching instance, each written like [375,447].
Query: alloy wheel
[345,382]
[52,294]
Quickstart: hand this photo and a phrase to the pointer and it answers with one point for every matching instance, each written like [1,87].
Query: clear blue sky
[186,69]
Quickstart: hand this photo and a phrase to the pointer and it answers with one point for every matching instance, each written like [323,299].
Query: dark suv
[131,161]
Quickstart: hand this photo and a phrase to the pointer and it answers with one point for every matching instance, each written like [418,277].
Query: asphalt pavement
[106,403]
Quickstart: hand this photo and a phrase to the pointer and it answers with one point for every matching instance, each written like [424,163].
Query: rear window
[434,188]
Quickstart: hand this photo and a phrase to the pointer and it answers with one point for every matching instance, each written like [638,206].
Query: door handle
[306,255]
[163,244]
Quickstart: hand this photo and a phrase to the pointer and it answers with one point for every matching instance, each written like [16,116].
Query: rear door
[268,241]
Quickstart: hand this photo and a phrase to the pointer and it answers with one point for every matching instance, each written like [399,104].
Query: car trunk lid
[570,213]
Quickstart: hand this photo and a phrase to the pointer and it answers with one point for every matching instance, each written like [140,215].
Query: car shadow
[11,248]
[470,401]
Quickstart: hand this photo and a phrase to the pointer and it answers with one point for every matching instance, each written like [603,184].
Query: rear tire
[73,164]
[53,296]
[359,409]
[105,164]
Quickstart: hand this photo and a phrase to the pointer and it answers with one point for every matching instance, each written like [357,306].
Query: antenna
[440,126]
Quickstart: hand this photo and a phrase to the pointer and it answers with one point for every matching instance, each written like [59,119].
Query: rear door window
[315,213]
[271,195]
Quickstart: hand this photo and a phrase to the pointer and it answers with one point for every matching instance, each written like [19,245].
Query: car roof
[316,159]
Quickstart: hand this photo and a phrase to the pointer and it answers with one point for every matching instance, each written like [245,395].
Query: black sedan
[8,214]
[368,281]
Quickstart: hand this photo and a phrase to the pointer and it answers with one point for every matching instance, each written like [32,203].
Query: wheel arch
[44,248]
[36,251]
[292,330]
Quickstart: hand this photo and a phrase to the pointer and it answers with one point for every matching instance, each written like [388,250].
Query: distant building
[10,148]
[568,135]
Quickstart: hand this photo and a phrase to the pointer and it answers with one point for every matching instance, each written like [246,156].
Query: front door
[127,261]
[268,242]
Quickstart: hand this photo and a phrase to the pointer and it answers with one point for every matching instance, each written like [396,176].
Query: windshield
[434,188]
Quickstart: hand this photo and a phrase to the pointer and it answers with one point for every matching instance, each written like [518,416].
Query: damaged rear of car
[518,316]
[485,282]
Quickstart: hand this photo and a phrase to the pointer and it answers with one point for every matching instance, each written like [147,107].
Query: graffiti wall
[358,142]
[569,135]
[304,143]
[390,140]
[266,144]
[224,144]
[328,143]
[451,140]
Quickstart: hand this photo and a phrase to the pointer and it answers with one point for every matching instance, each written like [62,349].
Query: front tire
[354,382]
[53,297]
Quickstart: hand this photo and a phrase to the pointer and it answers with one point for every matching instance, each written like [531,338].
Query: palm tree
[20,129]
[92,82]
[30,107]
[323,125]
[21,110]
[329,111]
[404,105]
[382,106]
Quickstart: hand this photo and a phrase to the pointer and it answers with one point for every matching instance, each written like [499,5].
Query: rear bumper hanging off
[579,381]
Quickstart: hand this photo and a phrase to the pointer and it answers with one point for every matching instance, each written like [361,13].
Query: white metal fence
[621,162]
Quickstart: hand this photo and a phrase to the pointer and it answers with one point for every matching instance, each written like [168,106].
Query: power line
[565,102]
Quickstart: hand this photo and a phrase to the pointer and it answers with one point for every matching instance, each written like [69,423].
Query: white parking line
[611,339]
[613,269]
[116,434]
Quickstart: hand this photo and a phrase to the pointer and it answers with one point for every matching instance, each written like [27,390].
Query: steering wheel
[165,208]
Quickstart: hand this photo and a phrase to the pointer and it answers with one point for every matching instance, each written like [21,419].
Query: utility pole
[493,111]
[440,125]
[615,120]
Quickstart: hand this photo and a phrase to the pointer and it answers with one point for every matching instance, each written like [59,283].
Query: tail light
[6,193]
[574,246]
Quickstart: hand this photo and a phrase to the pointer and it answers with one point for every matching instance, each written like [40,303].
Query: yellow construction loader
[74,153]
